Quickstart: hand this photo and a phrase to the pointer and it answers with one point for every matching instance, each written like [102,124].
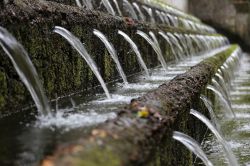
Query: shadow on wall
[233,37]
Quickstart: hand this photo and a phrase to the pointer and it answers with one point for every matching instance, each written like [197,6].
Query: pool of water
[26,138]
[236,131]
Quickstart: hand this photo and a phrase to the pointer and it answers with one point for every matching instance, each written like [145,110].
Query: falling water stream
[136,50]
[229,111]
[228,152]
[76,43]
[112,53]
[235,131]
[154,43]
[130,9]
[108,7]
[78,114]
[26,70]
[193,146]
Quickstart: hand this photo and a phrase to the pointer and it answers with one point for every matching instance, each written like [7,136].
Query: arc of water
[176,21]
[170,43]
[208,105]
[87,3]
[226,74]
[25,69]
[78,3]
[226,105]
[196,42]
[136,50]
[166,18]
[117,7]
[139,11]
[108,7]
[160,55]
[170,19]
[223,83]
[155,47]
[228,152]
[191,47]
[182,42]
[76,43]
[150,13]
[175,41]
[160,16]
[130,9]
[192,145]
[112,53]
[220,88]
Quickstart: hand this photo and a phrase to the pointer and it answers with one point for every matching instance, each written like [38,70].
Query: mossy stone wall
[60,67]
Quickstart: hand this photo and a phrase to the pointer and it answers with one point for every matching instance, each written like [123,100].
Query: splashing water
[136,50]
[68,121]
[76,43]
[112,53]
[25,69]
[193,146]
[228,152]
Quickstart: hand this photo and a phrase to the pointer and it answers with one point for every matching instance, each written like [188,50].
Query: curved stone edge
[141,134]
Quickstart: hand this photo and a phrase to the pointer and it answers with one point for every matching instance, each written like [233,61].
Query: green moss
[216,61]
[97,156]
[243,99]
[3,89]
[108,65]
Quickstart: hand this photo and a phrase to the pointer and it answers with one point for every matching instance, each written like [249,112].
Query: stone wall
[60,68]
[228,17]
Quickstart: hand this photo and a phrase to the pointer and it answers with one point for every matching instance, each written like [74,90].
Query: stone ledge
[130,140]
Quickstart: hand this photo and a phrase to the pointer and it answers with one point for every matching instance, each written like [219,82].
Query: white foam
[72,120]
[245,128]
[242,115]
[115,98]
[235,145]
[239,93]
[242,88]
[140,86]
[160,78]
[241,106]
